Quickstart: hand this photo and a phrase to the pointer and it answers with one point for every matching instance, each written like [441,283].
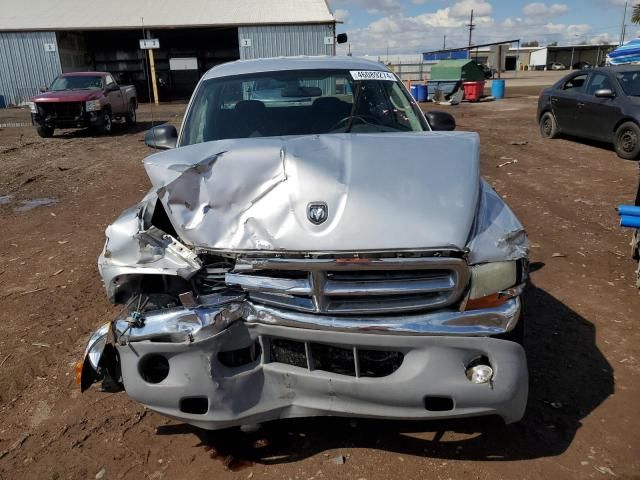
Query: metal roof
[31,15]
[242,67]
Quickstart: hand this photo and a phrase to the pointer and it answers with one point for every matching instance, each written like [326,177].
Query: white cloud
[341,14]
[399,33]
[481,8]
[539,9]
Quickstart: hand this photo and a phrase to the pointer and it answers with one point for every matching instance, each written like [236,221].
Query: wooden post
[154,84]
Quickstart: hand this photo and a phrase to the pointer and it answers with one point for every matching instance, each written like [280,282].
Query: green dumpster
[456,71]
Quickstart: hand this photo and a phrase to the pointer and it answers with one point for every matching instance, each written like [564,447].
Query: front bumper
[259,389]
[84,119]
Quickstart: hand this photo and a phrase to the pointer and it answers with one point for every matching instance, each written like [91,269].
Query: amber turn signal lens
[490,301]
[79,372]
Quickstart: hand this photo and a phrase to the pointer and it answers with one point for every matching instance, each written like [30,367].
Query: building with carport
[39,39]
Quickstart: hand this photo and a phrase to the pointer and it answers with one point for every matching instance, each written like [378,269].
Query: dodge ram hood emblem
[317,212]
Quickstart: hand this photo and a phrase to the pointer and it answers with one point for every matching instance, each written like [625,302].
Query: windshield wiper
[356,100]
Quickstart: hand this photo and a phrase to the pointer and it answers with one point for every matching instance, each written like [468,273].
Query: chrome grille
[353,285]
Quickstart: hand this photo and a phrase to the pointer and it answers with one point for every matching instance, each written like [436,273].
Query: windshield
[300,102]
[630,82]
[80,82]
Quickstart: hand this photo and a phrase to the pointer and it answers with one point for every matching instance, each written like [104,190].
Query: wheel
[627,141]
[45,132]
[130,117]
[548,125]
[106,125]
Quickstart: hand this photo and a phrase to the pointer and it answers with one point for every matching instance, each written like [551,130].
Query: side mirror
[113,87]
[43,89]
[342,38]
[441,121]
[162,137]
[605,93]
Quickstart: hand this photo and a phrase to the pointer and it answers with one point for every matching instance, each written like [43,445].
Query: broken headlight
[492,284]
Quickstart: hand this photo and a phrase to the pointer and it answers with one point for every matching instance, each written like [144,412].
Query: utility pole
[444,42]
[623,28]
[472,27]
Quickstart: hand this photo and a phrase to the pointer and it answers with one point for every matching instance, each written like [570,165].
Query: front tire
[106,124]
[131,117]
[627,141]
[548,125]
[45,132]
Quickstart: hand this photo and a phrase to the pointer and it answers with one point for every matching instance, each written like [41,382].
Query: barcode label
[372,75]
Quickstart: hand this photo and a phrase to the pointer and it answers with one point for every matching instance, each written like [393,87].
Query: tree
[552,44]
[635,15]
[533,43]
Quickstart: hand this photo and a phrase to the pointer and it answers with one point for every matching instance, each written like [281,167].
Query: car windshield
[79,82]
[630,82]
[300,102]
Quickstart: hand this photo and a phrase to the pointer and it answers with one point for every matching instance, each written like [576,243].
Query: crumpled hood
[383,191]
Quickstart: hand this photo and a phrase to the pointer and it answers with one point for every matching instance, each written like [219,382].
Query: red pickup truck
[83,99]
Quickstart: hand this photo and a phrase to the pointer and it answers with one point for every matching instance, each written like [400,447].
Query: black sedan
[601,104]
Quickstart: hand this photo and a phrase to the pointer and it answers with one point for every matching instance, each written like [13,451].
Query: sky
[376,27]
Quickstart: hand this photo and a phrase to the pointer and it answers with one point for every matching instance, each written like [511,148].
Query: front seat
[248,120]
[326,112]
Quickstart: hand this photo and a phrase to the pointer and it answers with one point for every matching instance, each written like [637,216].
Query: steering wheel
[360,118]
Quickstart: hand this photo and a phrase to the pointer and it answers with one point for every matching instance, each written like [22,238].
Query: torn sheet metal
[133,248]
[498,235]
[177,325]
[253,194]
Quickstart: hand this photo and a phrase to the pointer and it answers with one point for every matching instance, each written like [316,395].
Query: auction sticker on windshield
[372,75]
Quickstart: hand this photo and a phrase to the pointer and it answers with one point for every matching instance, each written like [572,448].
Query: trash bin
[414,92]
[473,90]
[497,89]
[421,91]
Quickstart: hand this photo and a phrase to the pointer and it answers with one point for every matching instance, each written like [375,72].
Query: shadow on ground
[118,129]
[569,378]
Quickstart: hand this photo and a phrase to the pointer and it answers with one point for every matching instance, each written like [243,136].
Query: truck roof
[241,67]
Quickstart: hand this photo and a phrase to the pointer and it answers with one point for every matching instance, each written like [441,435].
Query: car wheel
[45,132]
[107,122]
[131,114]
[548,126]
[627,141]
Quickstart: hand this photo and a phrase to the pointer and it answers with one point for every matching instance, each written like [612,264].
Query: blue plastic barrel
[421,93]
[631,222]
[2,102]
[629,210]
[414,91]
[497,89]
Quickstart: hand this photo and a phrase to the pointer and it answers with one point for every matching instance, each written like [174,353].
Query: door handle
[554,99]
[580,104]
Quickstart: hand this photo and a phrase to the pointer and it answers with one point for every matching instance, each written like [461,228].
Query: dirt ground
[583,340]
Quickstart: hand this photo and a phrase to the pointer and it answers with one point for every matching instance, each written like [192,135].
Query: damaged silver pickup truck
[311,245]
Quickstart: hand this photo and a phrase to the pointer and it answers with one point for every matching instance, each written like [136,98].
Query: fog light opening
[194,405]
[154,368]
[479,371]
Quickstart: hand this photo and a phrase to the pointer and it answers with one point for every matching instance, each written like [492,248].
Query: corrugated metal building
[39,39]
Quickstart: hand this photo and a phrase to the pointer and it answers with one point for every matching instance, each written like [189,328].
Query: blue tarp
[448,55]
[627,53]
